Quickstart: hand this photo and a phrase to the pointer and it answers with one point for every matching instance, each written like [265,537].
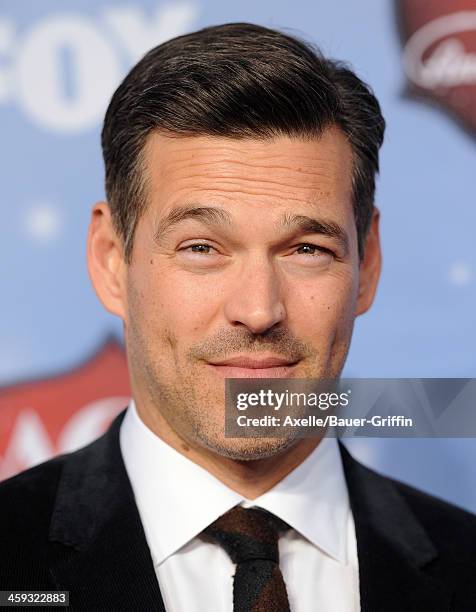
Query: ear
[106,265]
[369,270]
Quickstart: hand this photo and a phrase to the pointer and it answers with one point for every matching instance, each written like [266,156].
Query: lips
[242,366]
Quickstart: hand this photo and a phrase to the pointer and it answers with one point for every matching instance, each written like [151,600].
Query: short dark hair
[236,80]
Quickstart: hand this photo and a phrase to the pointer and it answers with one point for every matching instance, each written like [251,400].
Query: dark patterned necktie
[250,537]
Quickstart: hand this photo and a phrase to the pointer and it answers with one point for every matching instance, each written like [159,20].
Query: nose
[257,300]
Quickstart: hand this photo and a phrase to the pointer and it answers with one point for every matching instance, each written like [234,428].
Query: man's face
[247,250]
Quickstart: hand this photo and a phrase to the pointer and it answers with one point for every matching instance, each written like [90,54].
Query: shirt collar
[177,499]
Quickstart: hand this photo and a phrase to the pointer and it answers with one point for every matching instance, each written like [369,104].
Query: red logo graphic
[42,418]
[440,53]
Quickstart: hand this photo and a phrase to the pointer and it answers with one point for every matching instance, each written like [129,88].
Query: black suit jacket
[72,524]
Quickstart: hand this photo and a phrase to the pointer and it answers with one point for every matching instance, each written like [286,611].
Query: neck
[249,478]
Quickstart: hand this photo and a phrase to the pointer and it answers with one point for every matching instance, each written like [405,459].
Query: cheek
[177,308]
[325,305]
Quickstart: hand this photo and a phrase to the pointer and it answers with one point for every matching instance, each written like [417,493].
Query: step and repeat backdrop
[63,372]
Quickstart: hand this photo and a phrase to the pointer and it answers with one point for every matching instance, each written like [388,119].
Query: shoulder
[26,506]
[451,528]
[27,499]
[41,499]
[377,493]
[399,507]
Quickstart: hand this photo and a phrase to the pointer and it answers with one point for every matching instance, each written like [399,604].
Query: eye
[314,250]
[199,248]
[201,256]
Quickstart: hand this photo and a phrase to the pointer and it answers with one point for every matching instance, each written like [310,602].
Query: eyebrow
[210,215]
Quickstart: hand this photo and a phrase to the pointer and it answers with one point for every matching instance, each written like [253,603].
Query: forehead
[279,172]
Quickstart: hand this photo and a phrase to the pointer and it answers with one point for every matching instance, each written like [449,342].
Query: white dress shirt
[177,500]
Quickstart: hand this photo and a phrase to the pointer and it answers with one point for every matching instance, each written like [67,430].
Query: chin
[248,449]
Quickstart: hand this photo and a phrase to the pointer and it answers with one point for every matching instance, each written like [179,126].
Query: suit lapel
[398,563]
[98,547]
